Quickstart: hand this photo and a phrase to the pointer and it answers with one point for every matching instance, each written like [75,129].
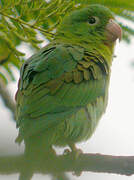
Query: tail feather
[25,176]
[35,151]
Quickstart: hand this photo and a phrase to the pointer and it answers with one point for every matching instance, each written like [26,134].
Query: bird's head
[93,24]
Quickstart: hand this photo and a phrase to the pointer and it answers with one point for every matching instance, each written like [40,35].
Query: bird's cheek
[113,31]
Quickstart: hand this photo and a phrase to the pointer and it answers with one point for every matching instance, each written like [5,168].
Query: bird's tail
[25,176]
[35,151]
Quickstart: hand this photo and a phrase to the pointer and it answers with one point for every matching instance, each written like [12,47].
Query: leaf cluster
[23,20]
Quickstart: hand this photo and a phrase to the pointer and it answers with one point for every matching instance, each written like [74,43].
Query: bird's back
[62,93]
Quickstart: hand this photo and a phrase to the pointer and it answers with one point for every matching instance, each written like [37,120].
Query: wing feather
[56,83]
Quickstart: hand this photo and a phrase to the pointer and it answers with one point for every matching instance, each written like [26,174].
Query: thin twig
[27,24]
[8,101]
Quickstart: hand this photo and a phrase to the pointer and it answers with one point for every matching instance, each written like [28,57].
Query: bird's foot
[67,152]
[75,153]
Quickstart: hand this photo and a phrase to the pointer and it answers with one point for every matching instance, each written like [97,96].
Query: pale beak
[113,31]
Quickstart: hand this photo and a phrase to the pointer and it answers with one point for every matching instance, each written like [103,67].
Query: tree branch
[8,101]
[123,165]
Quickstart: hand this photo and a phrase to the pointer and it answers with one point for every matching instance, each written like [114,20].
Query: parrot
[63,88]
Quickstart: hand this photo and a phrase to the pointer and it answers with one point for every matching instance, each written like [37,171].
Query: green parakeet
[63,88]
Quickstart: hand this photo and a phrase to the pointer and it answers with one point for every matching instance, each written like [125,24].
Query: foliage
[22,21]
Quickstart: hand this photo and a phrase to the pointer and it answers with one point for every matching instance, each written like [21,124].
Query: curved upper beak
[113,30]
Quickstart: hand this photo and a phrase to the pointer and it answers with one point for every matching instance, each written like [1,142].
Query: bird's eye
[93,20]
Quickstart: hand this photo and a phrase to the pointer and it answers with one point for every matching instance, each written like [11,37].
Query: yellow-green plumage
[63,88]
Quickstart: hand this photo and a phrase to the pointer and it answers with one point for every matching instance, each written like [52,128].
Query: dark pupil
[92,20]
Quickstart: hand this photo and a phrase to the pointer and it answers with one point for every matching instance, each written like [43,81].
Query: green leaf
[22,20]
